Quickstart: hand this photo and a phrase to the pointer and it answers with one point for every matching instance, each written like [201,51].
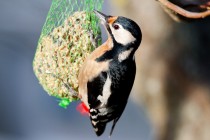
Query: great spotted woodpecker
[107,76]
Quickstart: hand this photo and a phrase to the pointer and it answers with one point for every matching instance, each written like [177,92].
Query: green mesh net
[62,9]
[71,32]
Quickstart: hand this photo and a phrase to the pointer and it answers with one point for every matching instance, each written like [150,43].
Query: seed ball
[60,55]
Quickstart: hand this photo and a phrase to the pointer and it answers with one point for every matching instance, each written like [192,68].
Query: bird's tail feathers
[99,127]
[113,126]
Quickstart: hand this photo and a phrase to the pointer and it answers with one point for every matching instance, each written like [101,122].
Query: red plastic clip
[83,109]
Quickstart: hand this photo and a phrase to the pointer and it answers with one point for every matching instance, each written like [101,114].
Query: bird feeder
[68,37]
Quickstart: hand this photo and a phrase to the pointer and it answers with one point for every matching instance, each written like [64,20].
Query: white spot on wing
[122,35]
[103,111]
[94,122]
[94,117]
[106,92]
[93,110]
[124,55]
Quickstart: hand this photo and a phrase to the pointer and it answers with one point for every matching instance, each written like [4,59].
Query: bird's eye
[116,27]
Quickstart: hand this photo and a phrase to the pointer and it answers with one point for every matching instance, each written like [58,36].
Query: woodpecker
[107,75]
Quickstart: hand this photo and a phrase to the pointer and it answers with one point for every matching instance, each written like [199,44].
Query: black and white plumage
[107,76]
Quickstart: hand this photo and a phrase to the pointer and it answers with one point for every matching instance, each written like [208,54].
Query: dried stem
[72,92]
[183,12]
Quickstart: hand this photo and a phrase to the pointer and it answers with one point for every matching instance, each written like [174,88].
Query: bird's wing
[95,89]
[98,109]
[92,69]
[108,94]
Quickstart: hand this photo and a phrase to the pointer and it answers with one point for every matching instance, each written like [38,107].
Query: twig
[183,12]
[72,92]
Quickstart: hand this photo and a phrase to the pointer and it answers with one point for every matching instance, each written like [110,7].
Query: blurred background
[170,99]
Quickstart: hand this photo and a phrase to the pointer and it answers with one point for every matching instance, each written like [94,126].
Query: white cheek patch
[122,36]
[124,55]
[106,92]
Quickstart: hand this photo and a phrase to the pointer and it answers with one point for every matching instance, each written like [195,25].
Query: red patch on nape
[83,109]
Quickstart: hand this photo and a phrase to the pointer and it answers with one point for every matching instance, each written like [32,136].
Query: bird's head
[123,31]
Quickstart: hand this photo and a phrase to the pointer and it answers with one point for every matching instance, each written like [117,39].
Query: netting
[61,9]
[71,32]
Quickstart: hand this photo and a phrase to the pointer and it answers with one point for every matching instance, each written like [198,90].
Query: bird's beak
[103,18]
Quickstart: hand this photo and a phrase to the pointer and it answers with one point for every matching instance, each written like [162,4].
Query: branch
[183,12]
